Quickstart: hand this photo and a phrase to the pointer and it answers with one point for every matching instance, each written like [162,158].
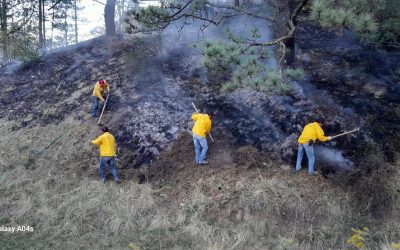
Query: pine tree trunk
[3,27]
[40,24]
[290,56]
[76,22]
[281,28]
[109,18]
[290,43]
[4,16]
[52,28]
[44,25]
[65,28]
[121,14]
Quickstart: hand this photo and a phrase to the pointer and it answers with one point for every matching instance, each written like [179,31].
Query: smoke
[332,157]
[182,35]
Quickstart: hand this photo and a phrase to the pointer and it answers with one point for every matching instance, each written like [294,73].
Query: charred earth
[247,198]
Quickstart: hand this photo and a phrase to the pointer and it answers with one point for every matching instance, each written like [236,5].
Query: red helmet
[102,83]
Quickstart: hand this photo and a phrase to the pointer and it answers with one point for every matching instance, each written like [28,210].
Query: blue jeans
[96,104]
[200,147]
[310,155]
[111,163]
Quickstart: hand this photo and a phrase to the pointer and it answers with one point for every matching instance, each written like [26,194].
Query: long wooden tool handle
[194,106]
[212,139]
[104,107]
[345,133]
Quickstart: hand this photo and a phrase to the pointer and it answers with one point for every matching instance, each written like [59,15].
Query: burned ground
[247,197]
[359,78]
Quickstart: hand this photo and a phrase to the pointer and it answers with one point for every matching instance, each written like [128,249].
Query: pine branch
[14,30]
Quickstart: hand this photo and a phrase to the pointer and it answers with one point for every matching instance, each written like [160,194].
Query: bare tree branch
[291,25]
[165,21]
[240,10]
[99,2]
[55,4]
[180,11]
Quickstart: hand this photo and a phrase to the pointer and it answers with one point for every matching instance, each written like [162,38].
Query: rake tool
[104,107]
[212,139]
[345,133]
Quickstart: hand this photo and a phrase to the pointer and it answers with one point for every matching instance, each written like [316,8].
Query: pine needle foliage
[150,19]
[246,65]
[295,73]
[20,46]
[344,17]
[389,15]
[365,23]
[197,5]
[218,56]
[318,7]
[376,22]
[153,17]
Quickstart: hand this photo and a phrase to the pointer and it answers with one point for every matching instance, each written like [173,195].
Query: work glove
[329,138]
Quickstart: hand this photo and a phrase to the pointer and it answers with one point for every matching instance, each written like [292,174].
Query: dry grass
[59,195]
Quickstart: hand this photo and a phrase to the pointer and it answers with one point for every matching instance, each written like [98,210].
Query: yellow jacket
[312,132]
[202,124]
[106,141]
[98,91]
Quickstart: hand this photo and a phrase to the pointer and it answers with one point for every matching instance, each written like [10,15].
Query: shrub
[229,86]
[365,23]
[328,18]
[359,238]
[376,22]
[317,8]
[344,17]
[295,73]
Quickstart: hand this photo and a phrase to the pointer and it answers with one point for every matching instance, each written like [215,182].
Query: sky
[90,17]
[93,12]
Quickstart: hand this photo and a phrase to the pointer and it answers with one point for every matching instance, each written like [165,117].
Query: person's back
[312,132]
[202,124]
[106,142]
[201,127]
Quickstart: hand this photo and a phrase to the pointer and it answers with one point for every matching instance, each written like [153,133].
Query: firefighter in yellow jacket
[311,133]
[201,127]
[106,142]
[100,92]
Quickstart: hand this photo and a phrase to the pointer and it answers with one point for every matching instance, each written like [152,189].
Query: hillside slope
[245,198]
